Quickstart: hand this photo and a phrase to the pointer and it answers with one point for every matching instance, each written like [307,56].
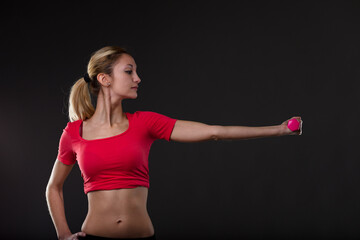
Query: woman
[112,148]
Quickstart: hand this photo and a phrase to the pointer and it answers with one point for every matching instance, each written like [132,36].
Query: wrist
[64,235]
[283,130]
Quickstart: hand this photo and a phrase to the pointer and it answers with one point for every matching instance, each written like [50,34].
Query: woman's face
[125,80]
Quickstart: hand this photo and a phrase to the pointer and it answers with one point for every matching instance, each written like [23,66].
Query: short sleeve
[158,125]
[66,154]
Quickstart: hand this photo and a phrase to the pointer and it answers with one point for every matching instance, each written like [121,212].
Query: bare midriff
[118,213]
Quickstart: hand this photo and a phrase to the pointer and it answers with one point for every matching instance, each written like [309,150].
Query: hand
[287,131]
[73,236]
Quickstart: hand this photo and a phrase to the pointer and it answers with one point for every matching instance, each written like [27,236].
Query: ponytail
[80,106]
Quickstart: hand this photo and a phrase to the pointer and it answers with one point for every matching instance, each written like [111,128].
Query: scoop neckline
[98,139]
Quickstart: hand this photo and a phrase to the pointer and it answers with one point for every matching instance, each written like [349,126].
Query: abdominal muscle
[119,213]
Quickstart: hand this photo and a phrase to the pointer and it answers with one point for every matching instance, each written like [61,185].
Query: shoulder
[71,127]
[144,113]
[148,115]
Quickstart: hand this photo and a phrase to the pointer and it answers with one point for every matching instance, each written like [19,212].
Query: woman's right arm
[55,200]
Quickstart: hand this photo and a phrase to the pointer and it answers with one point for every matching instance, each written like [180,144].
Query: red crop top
[119,161]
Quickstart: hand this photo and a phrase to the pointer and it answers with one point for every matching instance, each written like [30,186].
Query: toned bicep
[190,131]
[59,174]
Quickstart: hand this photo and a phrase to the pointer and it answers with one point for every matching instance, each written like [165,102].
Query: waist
[118,213]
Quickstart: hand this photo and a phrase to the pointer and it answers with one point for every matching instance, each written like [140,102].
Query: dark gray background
[251,63]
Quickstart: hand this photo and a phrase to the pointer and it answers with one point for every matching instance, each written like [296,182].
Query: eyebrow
[130,65]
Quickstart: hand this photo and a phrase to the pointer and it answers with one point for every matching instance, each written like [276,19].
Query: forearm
[243,132]
[55,203]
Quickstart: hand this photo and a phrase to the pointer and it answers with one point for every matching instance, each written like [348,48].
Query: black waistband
[92,237]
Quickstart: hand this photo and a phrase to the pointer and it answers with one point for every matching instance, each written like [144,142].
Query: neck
[108,111]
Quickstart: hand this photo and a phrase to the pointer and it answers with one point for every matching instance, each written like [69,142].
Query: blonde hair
[101,61]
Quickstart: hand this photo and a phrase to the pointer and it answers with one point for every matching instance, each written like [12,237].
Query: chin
[130,95]
[133,97]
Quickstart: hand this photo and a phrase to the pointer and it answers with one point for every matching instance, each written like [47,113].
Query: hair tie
[87,78]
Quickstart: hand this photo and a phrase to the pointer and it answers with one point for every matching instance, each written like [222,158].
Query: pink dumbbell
[293,124]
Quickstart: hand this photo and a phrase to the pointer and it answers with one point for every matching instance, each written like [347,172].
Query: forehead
[125,60]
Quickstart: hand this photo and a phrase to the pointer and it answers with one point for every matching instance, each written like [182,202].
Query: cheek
[122,86]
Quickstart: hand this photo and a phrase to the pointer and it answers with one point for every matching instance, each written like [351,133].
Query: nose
[137,79]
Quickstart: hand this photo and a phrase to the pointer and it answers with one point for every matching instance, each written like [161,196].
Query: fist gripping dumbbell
[293,124]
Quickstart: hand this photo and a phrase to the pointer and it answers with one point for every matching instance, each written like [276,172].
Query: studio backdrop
[246,63]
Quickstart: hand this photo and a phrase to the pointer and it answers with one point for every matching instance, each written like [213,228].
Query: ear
[103,79]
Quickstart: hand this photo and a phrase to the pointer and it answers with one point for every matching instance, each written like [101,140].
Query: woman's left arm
[190,131]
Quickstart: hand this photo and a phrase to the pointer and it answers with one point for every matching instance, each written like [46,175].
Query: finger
[300,127]
[75,236]
[298,118]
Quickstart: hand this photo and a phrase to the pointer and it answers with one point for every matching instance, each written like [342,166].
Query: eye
[129,71]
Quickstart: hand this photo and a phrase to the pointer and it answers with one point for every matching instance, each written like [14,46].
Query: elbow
[48,193]
[216,132]
[52,189]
